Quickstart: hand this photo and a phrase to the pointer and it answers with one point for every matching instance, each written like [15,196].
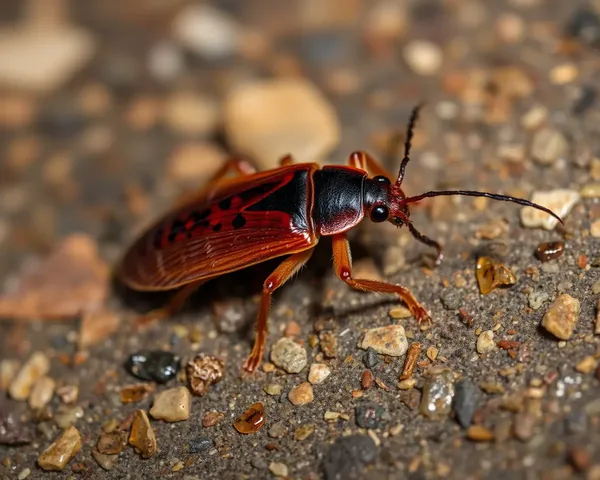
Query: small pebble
[136,393]
[400,313]
[61,451]
[587,365]
[112,443]
[423,57]
[66,415]
[466,399]
[485,342]
[141,436]
[595,229]
[252,420]
[35,368]
[596,287]
[172,405]
[438,392]
[367,380]
[303,432]
[349,455]
[597,324]
[328,344]
[277,430]
[158,366]
[200,444]
[278,469]
[564,73]
[537,298]
[106,462]
[274,389]
[492,275]
[562,316]
[203,371]
[390,340]
[318,373]
[301,394]
[407,384]
[309,134]
[206,31]
[371,358]
[211,419]
[534,117]
[41,393]
[289,355]
[560,201]
[524,426]
[371,415]
[480,434]
[23,474]
[548,146]
[549,250]
[591,190]
[187,113]
[8,370]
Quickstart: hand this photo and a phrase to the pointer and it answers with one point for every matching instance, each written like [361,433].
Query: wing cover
[241,223]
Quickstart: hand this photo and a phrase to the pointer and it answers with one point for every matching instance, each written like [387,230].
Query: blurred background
[110,110]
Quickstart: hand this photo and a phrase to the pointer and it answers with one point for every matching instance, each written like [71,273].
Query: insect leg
[280,275]
[342,262]
[236,165]
[174,305]
[366,162]
[286,161]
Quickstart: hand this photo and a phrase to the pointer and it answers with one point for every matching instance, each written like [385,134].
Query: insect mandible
[238,222]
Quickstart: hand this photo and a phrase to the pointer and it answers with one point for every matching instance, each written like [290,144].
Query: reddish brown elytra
[238,222]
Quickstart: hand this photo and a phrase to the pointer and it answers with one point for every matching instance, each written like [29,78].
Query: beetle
[238,222]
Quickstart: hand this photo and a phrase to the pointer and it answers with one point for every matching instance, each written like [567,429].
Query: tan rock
[60,453]
[390,340]
[142,436]
[318,373]
[269,119]
[301,394]
[562,316]
[172,405]
[36,367]
[41,393]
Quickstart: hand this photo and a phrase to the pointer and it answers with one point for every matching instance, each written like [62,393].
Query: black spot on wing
[238,222]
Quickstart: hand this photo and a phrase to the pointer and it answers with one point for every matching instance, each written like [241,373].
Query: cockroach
[237,222]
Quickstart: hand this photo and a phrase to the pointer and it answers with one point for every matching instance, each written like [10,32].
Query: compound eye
[381,179]
[379,213]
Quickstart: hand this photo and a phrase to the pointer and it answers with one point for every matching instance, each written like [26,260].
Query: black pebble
[370,415]
[465,402]
[157,366]
[348,456]
[371,358]
[200,444]
[585,26]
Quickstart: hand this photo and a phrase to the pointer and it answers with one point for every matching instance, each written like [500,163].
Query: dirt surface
[511,106]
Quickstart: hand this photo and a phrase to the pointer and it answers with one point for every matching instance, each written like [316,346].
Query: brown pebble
[328,344]
[203,371]
[211,419]
[412,356]
[72,280]
[303,432]
[491,275]
[549,250]
[61,451]
[562,317]
[142,436]
[41,393]
[366,380]
[36,367]
[136,393]
[112,443]
[480,434]
[301,394]
[252,420]
[580,458]
[508,344]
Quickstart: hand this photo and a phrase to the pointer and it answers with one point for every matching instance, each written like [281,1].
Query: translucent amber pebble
[252,420]
[491,275]
[142,436]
